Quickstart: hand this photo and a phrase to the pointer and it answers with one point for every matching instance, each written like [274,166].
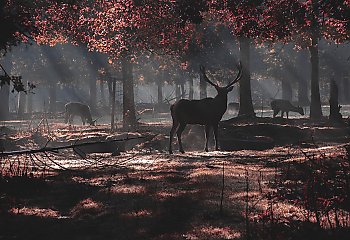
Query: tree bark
[21,105]
[286,90]
[52,97]
[4,98]
[334,115]
[29,103]
[102,93]
[93,93]
[113,125]
[177,92]
[5,90]
[246,104]
[129,116]
[303,87]
[315,108]
[190,91]
[202,87]
[346,88]
[160,90]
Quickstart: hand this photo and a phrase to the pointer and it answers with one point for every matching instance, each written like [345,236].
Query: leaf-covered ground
[292,191]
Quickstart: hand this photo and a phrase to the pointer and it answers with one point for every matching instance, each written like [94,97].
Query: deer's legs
[66,118]
[207,129]
[275,112]
[287,114]
[172,131]
[179,132]
[71,119]
[82,119]
[216,137]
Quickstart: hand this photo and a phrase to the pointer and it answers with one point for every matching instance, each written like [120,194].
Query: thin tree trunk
[160,90]
[21,105]
[286,90]
[303,87]
[177,92]
[4,98]
[52,97]
[5,90]
[183,90]
[334,114]
[93,92]
[190,92]
[102,93]
[246,103]
[315,108]
[202,87]
[29,103]
[346,89]
[110,91]
[129,116]
[113,125]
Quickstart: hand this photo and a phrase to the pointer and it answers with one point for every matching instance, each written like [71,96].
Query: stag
[207,112]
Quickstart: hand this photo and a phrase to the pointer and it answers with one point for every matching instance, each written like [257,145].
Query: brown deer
[207,112]
[78,109]
[284,106]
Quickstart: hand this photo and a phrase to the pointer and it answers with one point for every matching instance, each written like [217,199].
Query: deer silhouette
[284,106]
[207,111]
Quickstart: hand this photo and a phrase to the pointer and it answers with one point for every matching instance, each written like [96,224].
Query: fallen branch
[55,149]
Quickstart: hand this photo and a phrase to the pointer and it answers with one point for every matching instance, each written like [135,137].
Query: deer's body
[284,106]
[207,112]
[78,109]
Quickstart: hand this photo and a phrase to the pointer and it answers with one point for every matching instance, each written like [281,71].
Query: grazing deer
[78,109]
[285,107]
[207,112]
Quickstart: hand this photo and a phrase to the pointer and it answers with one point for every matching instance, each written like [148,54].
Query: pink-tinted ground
[145,193]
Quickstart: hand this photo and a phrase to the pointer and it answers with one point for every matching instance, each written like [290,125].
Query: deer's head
[222,91]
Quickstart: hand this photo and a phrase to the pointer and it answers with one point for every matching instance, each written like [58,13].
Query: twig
[55,149]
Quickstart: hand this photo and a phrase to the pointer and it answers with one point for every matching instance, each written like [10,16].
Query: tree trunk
[303,87]
[183,90]
[110,91]
[346,89]
[129,116]
[160,90]
[29,103]
[202,87]
[177,92]
[93,91]
[5,90]
[190,92]
[286,90]
[4,98]
[302,92]
[335,115]
[315,108]
[21,105]
[52,98]
[245,102]
[102,93]
[112,97]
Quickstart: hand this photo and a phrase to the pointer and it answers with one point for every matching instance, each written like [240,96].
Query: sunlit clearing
[162,195]
[128,189]
[211,232]
[140,213]
[87,207]
[35,211]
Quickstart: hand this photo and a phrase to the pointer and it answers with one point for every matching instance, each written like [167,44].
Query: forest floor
[296,188]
